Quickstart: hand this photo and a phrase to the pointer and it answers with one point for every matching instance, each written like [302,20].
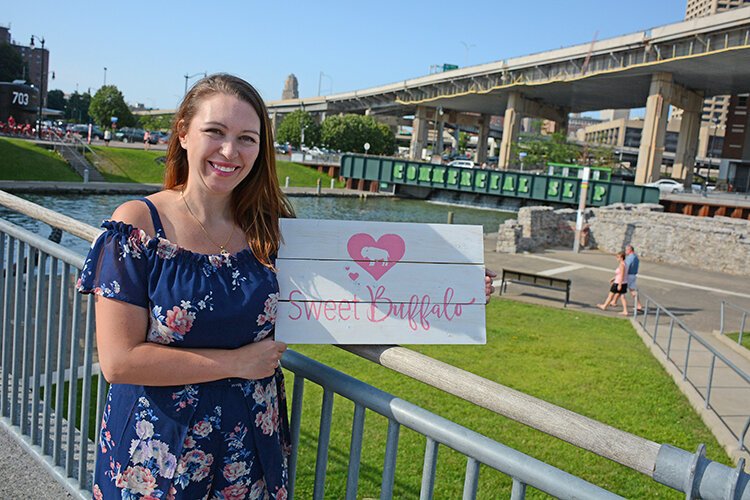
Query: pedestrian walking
[632,263]
[618,286]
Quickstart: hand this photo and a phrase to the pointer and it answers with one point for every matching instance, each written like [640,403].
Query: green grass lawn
[593,365]
[22,160]
[589,364]
[135,165]
[128,165]
[745,338]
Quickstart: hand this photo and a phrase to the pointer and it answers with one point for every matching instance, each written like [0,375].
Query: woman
[618,286]
[185,307]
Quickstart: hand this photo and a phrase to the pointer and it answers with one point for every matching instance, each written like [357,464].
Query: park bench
[535,280]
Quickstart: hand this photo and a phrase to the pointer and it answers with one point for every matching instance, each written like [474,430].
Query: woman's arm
[126,358]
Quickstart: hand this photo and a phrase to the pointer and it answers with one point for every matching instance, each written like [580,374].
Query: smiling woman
[186,305]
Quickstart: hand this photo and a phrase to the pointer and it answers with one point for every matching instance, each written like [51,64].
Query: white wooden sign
[355,282]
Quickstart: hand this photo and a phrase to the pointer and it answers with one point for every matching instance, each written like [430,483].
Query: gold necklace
[222,248]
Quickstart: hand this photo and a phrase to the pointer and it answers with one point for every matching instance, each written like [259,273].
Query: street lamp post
[320,81]
[105,77]
[188,77]
[41,85]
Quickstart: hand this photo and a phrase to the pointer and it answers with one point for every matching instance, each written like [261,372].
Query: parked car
[129,134]
[667,186]
[83,131]
[462,163]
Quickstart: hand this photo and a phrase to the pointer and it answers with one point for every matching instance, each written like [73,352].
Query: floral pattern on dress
[149,458]
[177,322]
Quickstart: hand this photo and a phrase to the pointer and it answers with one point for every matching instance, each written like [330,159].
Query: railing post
[669,340]
[519,490]
[295,421]
[6,338]
[355,452]
[472,479]
[687,357]
[721,318]
[710,381]
[428,470]
[656,322]
[742,328]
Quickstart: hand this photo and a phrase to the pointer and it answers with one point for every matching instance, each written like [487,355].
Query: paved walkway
[693,295]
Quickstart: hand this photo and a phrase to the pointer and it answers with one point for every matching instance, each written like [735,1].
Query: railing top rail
[744,376]
[43,244]
[735,306]
[55,219]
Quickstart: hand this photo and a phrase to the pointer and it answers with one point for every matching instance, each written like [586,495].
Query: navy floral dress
[227,439]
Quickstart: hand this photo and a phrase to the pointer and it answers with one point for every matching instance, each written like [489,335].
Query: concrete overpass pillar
[439,146]
[484,134]
[687,142]
[275,122]
[418,134]
[511,129]
[654,129]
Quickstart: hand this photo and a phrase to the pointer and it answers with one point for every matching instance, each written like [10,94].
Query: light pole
[188,77]
[41,84]
[711,142]
[467,47]
[320,81]
[105,77]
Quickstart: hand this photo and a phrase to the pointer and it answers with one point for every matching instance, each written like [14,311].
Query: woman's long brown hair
[257,202]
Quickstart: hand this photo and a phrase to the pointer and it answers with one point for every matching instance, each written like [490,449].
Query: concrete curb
[715,425]
[732,344]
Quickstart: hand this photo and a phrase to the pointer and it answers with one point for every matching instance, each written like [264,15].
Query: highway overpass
[677,64]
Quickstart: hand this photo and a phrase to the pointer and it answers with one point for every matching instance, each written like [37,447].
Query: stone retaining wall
[711,243]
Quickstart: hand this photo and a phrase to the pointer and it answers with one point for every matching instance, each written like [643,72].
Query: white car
[667,186]
[462,163]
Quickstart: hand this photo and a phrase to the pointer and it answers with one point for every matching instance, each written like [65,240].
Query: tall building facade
[291,88]
[35,62]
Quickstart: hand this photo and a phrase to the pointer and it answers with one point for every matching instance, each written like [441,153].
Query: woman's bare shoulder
[135,213]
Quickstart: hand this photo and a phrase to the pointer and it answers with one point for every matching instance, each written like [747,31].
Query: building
[35,61]
[625,133]
[291,88]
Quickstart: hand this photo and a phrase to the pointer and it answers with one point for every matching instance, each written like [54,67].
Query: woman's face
[222,143]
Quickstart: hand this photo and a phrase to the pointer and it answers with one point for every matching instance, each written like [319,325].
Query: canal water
[92,209]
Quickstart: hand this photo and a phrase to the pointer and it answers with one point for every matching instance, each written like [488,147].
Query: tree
[156,122]
[290,129]
[56,99]
[11,64]
[77,107]
[545,149]
[108,102]
[350,133]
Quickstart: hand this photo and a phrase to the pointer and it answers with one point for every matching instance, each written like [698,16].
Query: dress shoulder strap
[155,218]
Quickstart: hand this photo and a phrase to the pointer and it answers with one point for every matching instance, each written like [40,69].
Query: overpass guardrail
[47,342]
[538,187]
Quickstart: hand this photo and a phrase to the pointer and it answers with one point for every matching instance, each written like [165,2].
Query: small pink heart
[354,276]
[346,267]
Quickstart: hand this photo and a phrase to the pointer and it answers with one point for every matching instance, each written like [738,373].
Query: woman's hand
[259,359]
[488,288]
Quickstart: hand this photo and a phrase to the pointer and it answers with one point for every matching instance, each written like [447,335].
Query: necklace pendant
[224,252]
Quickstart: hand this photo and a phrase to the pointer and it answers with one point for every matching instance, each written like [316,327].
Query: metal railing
[47,340]
[725,306]
[679,356]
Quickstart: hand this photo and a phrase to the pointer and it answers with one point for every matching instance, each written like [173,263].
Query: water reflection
[92,209]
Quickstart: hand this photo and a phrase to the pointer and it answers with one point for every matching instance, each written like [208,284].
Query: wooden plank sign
[355,282]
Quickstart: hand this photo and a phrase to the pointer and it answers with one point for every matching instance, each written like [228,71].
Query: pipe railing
[725,306]
[676,325]
[661,462]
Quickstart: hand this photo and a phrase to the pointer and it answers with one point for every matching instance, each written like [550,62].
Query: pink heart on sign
[376,257]
[353,276]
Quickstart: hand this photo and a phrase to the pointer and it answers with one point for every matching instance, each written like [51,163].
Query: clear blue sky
[148,47]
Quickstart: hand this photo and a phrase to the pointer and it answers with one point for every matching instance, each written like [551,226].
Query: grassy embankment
[593,365]
[22,160]
[134,165]
[745,338]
